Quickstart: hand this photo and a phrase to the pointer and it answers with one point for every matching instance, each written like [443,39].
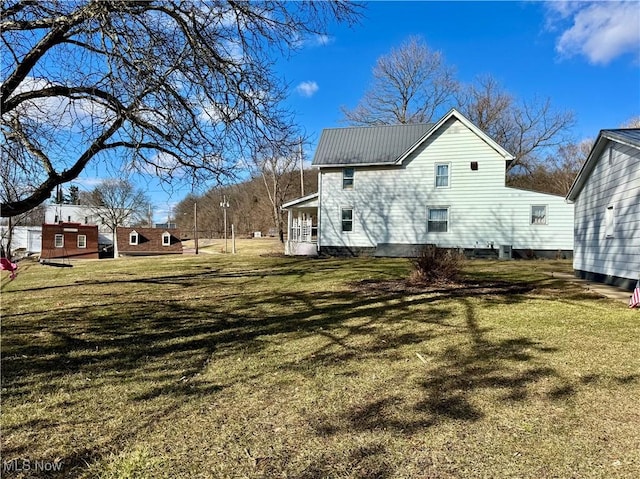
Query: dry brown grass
[261,366]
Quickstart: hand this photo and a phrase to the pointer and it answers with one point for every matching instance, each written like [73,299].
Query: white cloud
[601,31]
[321,40]
[307,88]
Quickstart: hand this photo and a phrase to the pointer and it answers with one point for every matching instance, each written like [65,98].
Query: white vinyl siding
[392,201]
[607,240]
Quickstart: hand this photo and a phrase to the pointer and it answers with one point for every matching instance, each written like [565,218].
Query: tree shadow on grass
[165,343]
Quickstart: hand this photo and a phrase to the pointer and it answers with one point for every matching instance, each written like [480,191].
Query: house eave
[298,201]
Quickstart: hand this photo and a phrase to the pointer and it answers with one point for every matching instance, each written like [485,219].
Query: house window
[438,220]
[82,241]
[347,220]
[539,215]
[166,239]
[347,178]
[442,175]
[68,219]
[59,241]
[133,238]
[610,222]
[474,166]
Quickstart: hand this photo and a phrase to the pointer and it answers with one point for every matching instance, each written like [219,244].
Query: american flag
[634,302]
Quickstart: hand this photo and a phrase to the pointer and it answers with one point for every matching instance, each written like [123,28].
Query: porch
[302,226]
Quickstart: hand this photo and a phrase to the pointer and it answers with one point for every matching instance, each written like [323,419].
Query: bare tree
[632,123]
[411,84]
[527,129]
[11,188]
[558,171]
[173,88]
[117,202]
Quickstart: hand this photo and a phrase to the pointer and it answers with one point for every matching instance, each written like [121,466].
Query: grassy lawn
[264,366]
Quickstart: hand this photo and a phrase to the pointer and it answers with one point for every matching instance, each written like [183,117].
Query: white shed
[606,194]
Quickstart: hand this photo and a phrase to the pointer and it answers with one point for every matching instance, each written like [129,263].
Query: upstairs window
[539,215]
[82,241]
[442,175]
[166,239]
[347,178]
[438,220]
[347,220]
[133,238]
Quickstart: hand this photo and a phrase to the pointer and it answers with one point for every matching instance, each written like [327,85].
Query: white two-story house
[389,190]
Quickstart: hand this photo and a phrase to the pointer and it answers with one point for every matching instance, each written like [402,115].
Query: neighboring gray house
[388,190]
[606,194]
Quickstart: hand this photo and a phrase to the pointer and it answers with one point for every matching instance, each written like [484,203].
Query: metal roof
[625,135]
[368,145]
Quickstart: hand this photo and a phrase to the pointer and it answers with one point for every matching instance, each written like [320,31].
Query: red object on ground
[7,265]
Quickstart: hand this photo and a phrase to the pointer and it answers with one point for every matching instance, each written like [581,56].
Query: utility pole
[224,204]
[301,170]
[195,224]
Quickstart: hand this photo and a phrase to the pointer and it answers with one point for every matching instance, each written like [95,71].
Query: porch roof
[309,201]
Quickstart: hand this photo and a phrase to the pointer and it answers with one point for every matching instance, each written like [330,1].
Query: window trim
[545,222]
[55,241]
[447,221]
[166,235]
[435,175]
[84,243]
[342,220]
[348,182]
[132,235]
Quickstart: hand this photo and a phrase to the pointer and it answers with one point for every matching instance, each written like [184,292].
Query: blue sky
[584,56]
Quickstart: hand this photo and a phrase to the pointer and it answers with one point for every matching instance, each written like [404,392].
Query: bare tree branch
[182,88]
[411,84]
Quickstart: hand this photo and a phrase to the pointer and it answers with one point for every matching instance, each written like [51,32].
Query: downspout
[319,234]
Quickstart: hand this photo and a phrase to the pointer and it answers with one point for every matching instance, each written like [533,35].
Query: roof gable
[453,113]
[385,144]
[625,136]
